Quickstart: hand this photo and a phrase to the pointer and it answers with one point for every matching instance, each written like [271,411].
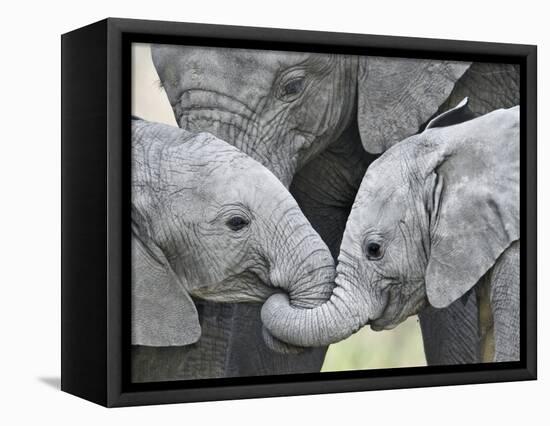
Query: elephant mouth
[385,324]
[386,321]
[391,318]
[234,295]
[245,288]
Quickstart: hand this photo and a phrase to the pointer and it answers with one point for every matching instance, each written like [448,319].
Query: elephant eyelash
[292,76]
[293,87]
[159,84]
[372,234]
[237,223]
[233,210]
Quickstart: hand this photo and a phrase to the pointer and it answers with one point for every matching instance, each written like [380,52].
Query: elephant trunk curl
[345,312]
[302,264]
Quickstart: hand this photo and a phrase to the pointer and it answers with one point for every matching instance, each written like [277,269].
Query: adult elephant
[209,222]
[317,121]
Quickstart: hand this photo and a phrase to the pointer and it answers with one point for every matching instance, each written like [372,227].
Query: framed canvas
[253,212]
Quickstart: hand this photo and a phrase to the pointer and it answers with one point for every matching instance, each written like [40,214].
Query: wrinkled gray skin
[435,216]
[211,223]
[317,121]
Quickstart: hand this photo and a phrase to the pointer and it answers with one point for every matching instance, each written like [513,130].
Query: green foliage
[367,349]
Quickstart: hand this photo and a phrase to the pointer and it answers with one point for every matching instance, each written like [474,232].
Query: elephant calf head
[431,217]
[210,222]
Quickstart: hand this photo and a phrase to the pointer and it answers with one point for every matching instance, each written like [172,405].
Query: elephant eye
[236,223]
[291,89]
[374,251]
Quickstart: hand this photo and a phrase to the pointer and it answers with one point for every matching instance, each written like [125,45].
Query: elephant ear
[396,96]
[163,313]
[473,202]
[456,115]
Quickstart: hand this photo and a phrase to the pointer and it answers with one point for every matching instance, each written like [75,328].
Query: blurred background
[366,349]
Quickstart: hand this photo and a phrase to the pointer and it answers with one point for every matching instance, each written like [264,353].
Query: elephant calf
[210,222]
[436,215]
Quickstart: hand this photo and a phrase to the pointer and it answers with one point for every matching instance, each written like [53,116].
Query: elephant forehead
[380,212]
[200,151]
[241,74]
[382,200]
[243,181]
[185,57]
[207,67]
[236,179]
[386,181]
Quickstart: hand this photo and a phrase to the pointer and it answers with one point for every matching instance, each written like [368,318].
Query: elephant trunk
[345,312]
[301,262]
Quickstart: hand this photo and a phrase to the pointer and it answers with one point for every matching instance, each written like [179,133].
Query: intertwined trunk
[343,314]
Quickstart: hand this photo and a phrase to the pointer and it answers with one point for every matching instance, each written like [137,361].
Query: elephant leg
[248,354]
[204,359]
[231,345]
[486,320]
[451,335]
[483,325]
[505,305]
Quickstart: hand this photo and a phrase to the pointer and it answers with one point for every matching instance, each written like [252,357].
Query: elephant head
[284,108]
[431,217]
[210,222]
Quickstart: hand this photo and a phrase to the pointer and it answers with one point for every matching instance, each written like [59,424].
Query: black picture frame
[95,212]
